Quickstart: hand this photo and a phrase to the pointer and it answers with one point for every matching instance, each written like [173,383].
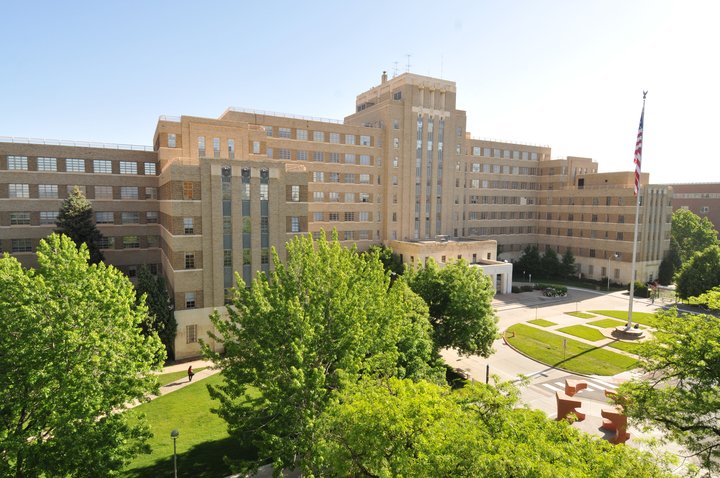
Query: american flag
[638,148]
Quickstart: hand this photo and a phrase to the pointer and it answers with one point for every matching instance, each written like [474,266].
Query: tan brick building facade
[213,196]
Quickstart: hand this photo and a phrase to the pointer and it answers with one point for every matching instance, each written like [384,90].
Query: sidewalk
[182,381]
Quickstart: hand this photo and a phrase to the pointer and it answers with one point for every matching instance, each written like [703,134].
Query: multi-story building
[215,196]
[701,198]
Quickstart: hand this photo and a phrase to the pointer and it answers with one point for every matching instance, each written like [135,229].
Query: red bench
[615,420]
[566,406]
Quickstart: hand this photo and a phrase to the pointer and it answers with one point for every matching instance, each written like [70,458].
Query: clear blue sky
[568,74]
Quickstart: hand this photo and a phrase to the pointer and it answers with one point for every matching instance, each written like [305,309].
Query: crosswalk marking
[553,387]
[594,385]
[605,384]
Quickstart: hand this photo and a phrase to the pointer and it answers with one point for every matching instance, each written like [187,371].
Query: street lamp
[614,256]
[174,434]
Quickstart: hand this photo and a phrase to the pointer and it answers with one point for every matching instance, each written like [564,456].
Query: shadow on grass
[205,460]
[560,364]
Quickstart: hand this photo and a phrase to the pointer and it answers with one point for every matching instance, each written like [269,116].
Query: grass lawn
[584,332]
[547,348]
[644,318]
[626,346]
[542,322]
[581,315]
[203,439]
[606,323]
[171,377]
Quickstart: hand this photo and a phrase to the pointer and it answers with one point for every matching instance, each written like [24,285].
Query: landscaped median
[547,347]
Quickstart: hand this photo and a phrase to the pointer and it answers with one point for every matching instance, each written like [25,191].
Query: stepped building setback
[214,196]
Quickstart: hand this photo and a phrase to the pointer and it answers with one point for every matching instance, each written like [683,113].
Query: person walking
[190,373]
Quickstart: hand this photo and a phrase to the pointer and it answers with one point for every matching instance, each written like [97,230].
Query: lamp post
[174,434]
[614,256]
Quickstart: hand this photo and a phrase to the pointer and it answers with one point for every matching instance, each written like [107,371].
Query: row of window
[319,156]
[334,196]
[348,178]
[504,153]
[486,184]
[361,216]
[127,242]
[51,191]
[362,235]
[319,136]
[502,169]
[74,165]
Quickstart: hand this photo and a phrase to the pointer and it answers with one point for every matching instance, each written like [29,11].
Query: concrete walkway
[183,381]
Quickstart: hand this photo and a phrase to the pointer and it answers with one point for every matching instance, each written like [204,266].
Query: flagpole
[637,160]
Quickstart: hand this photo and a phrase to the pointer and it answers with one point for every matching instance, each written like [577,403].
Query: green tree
[568,268]
[161,319]
[71,355]
[550,263]
[529,262]
[401,428]
[690,234]
[324,318]
[666,271]
[699,274]
[76,221]
[389,259]
[679,389]
[460,300]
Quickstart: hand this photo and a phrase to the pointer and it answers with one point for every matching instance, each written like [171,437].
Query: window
[189,260]
[19,190]
[301,134]
[334,196]
[334,216]
[131,242]
[129,218]
[318,216]
[364,197]
[349,158]
[349,177]
[188,190]
[102,166]
[151,217]
[318,176]
[190,330]
[264,256]
[364,140]
[150,192]
[74,165]
[47,164]
[128,192]
[396,143]
[216,148]
[103,192]
[284,133]
[294,224]
[106,242]
[302,155]
[365,159]
[334,158]
[172,140]
[104,217]
[348,235]
[264,192]
[349,139]
[150,169]
[349,216]
[19,218]
[397,95]
[268,130]
[18,162]
[269,152]
[285,153]
[318,136]
[201,146]
[21,245]
[188,225]
[48,217]
[318,156]
[318,196]
[256,147]
[128,167]
[334,177]
[335,137]
[295,193]
[227,258]
[363,216]
[364,179]
[47,191]
[705,209]
[349,197]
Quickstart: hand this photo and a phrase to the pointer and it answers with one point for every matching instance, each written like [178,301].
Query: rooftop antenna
[395,69]
[407,70]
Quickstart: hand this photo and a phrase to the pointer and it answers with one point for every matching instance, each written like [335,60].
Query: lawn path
[182,382]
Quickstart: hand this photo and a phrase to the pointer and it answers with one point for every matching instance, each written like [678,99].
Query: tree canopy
[400,428]
[460,300]
[76,221]
[690,234]
[700,273]
[529,262]
[161,319]
[324,318]
[72,355]
[680,388]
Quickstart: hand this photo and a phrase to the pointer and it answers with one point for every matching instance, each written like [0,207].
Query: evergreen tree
[550,263]
[568,264]
[161,319]
[76,221]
